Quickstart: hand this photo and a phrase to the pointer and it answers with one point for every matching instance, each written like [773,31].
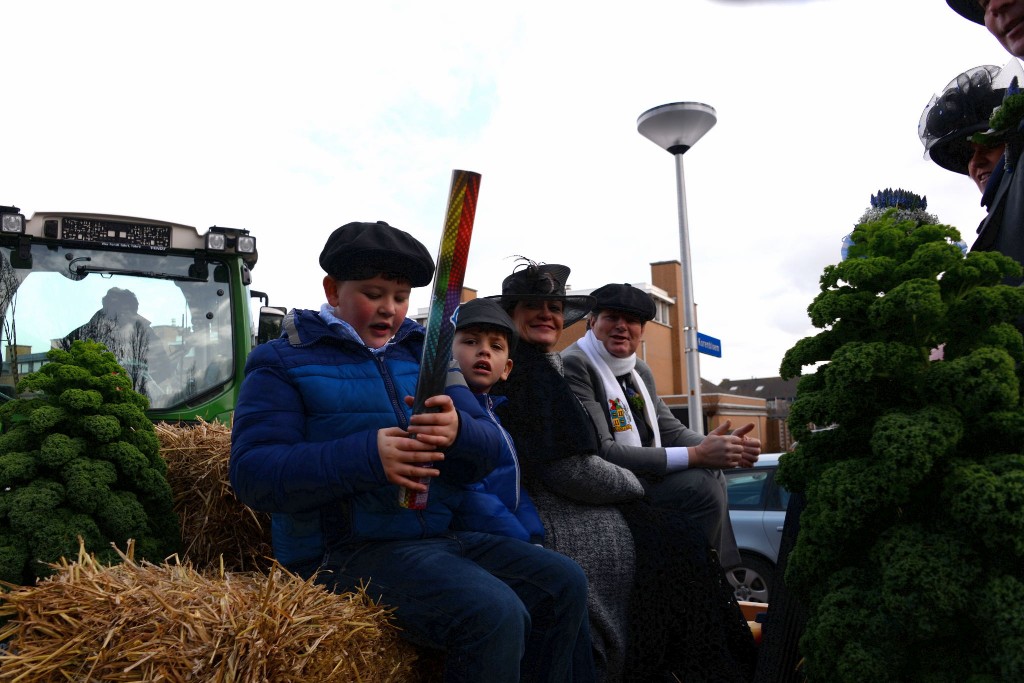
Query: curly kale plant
[910,556]
[78,457]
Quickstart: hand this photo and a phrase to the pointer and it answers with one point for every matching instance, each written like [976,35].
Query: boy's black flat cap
[354,248]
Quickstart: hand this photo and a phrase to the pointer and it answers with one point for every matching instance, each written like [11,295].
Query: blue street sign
[709,345]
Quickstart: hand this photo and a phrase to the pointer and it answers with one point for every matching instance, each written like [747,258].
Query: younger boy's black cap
[355,247]
[486,312]
[625,298]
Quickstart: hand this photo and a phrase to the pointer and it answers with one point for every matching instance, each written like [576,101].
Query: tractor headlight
[216,241]
[246,244]
[11,221]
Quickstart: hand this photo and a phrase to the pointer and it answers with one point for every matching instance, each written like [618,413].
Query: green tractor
[172,304]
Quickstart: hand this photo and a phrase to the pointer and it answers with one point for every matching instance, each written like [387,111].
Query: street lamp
[676,128]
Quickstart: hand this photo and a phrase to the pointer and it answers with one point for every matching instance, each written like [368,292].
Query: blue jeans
[502,609]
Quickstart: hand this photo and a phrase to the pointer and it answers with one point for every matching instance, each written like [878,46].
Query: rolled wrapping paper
[452,255]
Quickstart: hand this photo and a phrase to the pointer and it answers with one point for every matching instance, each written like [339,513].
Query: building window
[661,312]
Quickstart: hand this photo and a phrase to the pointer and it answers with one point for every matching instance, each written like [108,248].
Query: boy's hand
[438,429]
[404,458]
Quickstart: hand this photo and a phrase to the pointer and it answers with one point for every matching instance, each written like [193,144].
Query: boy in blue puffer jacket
[484,338]
[323,439]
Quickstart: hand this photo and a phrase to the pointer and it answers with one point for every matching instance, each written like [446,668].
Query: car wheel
[751,580]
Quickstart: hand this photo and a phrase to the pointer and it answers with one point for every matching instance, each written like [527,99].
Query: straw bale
[216,527]
[146,622]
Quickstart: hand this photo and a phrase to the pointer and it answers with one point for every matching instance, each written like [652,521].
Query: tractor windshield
[167,318]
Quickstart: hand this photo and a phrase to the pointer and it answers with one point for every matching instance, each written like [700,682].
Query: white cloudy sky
[290,119]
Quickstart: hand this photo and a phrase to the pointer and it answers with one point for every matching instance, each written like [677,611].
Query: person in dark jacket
[130,337]
[323,440]
[1000,17]
[497,504]
[1002,229]
[960,110]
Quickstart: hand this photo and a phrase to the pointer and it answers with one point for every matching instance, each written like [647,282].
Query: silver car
[757,508]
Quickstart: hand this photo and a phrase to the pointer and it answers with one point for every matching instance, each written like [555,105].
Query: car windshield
[166,318]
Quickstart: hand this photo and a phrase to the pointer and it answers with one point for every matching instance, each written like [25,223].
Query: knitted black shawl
[544,417]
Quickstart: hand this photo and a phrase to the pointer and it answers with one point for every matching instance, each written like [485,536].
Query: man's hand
[751,446]
[724,450]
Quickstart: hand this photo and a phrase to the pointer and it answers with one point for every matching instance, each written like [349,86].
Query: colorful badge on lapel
[619,415]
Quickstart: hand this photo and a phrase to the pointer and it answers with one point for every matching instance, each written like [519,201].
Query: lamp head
[678,126]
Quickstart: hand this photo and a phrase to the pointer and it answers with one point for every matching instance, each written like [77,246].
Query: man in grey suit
[678,467]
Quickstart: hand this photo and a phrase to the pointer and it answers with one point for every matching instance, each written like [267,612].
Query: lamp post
[676,128]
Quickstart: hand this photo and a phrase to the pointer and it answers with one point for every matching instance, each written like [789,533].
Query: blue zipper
[508,440]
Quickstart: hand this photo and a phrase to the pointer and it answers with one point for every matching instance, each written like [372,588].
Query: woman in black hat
[557,446]
[1004,197]
[653,589]
[962,109]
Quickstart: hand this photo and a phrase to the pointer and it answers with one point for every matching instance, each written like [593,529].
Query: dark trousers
[502,609]
[701,494]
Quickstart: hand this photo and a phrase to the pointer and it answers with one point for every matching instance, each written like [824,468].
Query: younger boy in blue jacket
[323,439]
[484,338]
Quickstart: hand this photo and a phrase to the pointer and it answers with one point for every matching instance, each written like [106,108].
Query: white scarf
[619,411]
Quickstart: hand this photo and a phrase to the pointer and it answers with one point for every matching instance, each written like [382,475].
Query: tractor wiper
[81,271]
